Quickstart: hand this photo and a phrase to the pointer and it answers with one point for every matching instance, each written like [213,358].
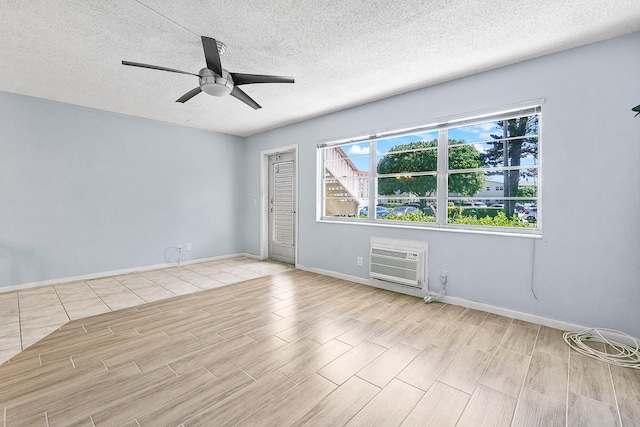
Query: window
[406,176]
[479,173]
[346,180]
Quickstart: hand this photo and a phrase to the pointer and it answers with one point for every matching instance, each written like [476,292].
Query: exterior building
[346,188]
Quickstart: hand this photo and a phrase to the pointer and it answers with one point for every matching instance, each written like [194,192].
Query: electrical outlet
[443,276]
[359,261]
[188,246]
[179,248]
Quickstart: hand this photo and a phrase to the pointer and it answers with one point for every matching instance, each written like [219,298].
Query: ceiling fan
[215,80]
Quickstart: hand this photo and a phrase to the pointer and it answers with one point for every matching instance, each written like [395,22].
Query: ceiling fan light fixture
[215,85]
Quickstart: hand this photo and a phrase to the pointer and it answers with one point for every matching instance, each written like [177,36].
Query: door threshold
[275,261]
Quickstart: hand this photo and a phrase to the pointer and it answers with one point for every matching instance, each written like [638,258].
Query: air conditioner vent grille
[394,254]
[398,261]
[401,273]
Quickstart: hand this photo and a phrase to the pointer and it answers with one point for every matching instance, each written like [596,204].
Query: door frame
[264,199]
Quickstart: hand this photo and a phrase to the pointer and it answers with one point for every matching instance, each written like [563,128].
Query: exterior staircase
[345,187]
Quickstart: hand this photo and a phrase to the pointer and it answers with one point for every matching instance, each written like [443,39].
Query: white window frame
[442,126]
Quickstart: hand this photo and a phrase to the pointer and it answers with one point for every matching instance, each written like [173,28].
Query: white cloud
[479,128]
[480,148]
[356,150]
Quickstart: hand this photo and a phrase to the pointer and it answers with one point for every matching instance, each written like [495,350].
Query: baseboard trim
[520,315]
[333,274]
[103,274]
[527,317]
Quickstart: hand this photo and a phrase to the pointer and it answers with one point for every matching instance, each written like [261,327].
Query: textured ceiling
[341,53]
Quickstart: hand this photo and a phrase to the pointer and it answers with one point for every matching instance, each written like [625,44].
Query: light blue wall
[84,191]
[586,267]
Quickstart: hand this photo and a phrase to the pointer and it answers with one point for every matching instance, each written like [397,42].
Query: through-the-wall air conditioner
[399,261]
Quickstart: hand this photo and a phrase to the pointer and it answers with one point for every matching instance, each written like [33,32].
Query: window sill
[533,234]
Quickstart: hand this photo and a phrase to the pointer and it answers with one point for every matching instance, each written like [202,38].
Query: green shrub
[499,220]
[415,217]
[492,219]
[455,211]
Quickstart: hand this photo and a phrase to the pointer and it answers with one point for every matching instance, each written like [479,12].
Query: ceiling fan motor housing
[214,84]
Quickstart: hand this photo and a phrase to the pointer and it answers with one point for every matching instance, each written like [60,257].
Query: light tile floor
[29,315]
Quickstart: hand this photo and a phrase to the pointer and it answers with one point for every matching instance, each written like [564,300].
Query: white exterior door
[282,207]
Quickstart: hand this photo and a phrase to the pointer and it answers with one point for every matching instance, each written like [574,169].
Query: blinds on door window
[283,203]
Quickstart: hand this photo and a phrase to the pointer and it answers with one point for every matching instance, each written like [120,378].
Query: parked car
[403,210]
[474,205]
[381,211]
[530,214]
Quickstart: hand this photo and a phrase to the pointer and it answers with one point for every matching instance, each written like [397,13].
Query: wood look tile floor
[294,348]
[27,316]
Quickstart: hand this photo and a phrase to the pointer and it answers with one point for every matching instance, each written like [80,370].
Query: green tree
[531,191]
[510,152]
[417,157]
[464,157]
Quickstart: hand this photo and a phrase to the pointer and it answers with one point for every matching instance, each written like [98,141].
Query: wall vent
[399,261]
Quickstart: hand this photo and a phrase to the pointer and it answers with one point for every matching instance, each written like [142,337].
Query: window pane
[528,184]
[412,153]
[466,184]
[340,207]
[402,143]
[363,210]
[354,187]
[495,203]
[466,156]
[344,195]
[519,213]
[407,187]
[346,179]
[490,185]
[347,160]
[475,133]
[380,212]
[529,153]
[512,142]
[412,162]
[499,129]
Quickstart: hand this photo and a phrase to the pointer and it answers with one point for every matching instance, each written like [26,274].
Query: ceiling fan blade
[247,79]
[211,55]
[239,94]
[157,67]
[187,96]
